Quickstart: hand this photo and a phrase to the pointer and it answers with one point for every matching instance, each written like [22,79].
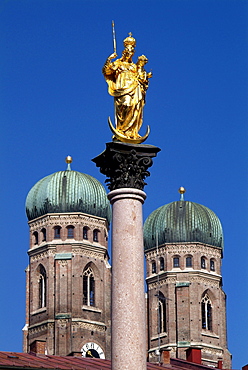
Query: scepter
[114,45]
[114,39]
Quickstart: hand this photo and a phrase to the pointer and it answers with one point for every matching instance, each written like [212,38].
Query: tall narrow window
[189,261]
[203,262]
[161,313]
[57,230]
[42,287]
[206,309]
[154,269]
[176,262]
[95,235]
[212,265]
[85,232]
[70,232]
[43,231]
[36,239]
[88,287]
[161,264]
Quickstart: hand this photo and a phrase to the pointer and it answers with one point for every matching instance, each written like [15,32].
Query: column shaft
[128,295]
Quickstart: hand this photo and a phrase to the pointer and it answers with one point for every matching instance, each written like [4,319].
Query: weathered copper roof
[182,221]
[21,361]
[68,191]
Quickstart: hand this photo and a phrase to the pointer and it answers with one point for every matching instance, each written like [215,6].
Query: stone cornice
[42,252]
[164,281]
[208,348]
[41,326]
[90,251]
[205,277]
[64,219]
[88,325]
[184,249]
[192,277]
[205,348]
[76,323]
[48,250]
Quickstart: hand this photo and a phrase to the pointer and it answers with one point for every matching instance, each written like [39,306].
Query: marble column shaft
[128,295]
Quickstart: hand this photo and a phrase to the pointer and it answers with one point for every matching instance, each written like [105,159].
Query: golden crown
[129,40]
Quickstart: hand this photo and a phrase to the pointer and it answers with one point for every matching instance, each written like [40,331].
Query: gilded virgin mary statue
[127,83]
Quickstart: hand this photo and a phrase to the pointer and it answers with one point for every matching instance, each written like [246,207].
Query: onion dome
[68,191]
[181,222]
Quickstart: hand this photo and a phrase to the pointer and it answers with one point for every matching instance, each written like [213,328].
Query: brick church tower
[68,280]
[186,303]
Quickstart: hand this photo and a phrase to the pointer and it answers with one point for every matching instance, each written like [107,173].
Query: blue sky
[54,103]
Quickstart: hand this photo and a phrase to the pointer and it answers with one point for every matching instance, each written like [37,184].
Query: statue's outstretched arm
[107,66]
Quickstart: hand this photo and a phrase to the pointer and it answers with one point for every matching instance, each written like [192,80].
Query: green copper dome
[182,221]
[68,191]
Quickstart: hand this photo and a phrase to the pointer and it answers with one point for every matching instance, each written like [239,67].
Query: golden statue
[127,83]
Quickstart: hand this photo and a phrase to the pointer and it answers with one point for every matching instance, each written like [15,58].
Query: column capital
[126,165]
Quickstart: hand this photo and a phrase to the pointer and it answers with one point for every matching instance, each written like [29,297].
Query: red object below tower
[194,355]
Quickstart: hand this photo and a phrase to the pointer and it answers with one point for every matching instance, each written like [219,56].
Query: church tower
[186,304]
[68,280]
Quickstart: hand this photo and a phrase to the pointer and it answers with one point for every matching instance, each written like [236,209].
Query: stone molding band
[126,193]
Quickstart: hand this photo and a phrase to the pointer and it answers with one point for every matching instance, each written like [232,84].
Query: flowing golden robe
[128,91]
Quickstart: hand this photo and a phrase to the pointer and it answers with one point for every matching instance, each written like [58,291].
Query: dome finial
[68,160]
[181,190]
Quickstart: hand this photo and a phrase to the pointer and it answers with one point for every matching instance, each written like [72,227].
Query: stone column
[126,168]
[128,293]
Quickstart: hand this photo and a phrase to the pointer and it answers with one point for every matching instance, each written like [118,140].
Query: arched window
[189,261]
[95,235]
[57,230]
[85,232]
[42,286]
[212,265]
[161,313]
[203,262]
[88,287]
[176,262]
[43,231]
[36,238]
[154,269]
[161,264]
[70,232]
[206,310]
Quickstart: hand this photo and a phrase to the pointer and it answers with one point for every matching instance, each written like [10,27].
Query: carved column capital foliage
[126,165]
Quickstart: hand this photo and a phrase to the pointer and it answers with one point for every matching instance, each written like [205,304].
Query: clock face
[92,350]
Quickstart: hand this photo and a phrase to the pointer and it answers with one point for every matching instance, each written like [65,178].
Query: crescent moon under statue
[119,136]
